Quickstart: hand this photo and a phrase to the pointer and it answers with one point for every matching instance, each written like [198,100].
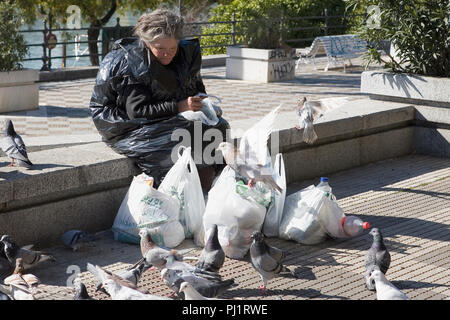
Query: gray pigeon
[14,147]
[132,275]
[377,255]
[81,291]
[385,289]
[75,239]
[29,257]
[154,255]
[212,256]
[267,260]
[191,294]
[207,288]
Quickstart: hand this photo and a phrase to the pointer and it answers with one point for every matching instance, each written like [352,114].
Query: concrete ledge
[407,88]
[66,74]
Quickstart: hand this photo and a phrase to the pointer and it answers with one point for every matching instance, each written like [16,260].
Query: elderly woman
[142,86]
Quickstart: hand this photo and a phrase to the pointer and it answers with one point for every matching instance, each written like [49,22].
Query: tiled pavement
[407,198]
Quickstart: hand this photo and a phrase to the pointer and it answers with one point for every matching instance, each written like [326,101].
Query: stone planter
[19,90]
[407,88]
[262,65]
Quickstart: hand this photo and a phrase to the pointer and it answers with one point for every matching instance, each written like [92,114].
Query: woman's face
[164,49]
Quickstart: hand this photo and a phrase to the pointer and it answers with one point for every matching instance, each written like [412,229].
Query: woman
[142,86]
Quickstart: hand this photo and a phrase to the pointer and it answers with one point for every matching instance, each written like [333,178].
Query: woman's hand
[191,103]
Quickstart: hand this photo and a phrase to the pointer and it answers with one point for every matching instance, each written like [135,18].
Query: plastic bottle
[353,225]
[324,186]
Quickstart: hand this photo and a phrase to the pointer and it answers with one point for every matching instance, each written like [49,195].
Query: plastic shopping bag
[183,183]
[236,218]
[330,218]
[300,220]
[169,234]
[275,212]
[207,114]
[143,206]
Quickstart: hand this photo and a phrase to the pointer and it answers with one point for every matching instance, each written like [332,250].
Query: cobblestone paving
[407,198]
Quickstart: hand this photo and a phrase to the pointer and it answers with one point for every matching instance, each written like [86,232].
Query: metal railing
[48,46]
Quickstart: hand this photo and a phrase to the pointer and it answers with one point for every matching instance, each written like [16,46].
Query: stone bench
[336,48]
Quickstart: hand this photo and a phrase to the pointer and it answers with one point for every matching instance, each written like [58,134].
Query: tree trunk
[94,32]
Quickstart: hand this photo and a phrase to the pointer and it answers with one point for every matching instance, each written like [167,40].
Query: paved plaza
[407,198]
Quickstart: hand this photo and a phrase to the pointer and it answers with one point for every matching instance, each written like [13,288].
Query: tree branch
[110,12]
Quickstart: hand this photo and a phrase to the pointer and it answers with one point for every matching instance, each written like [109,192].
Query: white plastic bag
[300,220]
[236,217]
[330,218]
[207,114]
[143,206]
[169,234]
[183,183]
[275,212]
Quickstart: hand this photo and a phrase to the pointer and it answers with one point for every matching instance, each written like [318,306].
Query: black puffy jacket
[134,101]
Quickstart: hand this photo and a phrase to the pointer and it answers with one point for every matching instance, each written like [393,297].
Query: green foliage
[259,22]
[418,28]
[12,44]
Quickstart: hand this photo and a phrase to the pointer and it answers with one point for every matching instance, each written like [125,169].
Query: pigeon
[4,296]
[28,280]
[29,257]
[17,292]
[80,291]
[377,255]
[208,288]
[14,147]
[212,256]
[154,255]
[132,275]
[385,289]
[118,288]
[191,294]
[308,111]
[250,160]
[266,260]
[75,239]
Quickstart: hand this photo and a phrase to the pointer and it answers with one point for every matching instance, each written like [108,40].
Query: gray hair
[160,23]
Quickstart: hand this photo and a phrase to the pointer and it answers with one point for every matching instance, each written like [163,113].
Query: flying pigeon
[118,288]
[377,255]
[29,257]
[266,260]
[75,239]
[208,288]
[308,111]
[385,289]
[14,147]
[81,291]
[251,159]
[191,294]
[212,256]
[17,292]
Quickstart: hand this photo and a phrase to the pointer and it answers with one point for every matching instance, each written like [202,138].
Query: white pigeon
[251,160]
[309,111]
[385,289]
[118,288]
[17,292]
[14,147]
